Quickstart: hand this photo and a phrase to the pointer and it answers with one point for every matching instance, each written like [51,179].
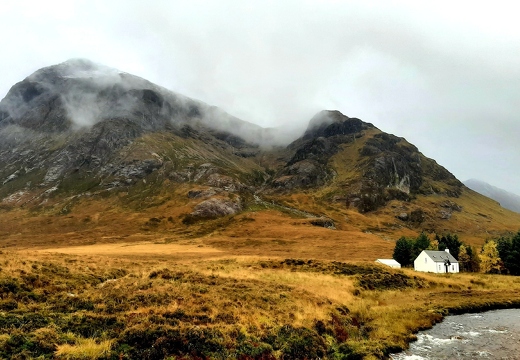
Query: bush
[299,343]
[250,349]
[163,341]
[89,326]
[9,286]
[8,305]
[346,352]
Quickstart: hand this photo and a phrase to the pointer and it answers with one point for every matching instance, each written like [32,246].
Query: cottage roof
[389,262]
[440,256]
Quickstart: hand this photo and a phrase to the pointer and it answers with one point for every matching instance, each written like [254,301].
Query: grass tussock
[84,349]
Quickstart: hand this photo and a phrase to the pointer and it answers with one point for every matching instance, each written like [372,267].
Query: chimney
[447,250]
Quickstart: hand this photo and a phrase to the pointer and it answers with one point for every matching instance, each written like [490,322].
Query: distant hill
[506,199]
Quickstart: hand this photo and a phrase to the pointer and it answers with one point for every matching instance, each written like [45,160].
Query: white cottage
[436,262]
[389,262]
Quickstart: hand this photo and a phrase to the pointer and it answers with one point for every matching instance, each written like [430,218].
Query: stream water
[489,335]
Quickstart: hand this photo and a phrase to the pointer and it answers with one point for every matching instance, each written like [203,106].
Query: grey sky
[444,75]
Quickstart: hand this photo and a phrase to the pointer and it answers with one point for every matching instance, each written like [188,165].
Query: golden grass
[135,248]
[84,349]
[104,274]
[254,295]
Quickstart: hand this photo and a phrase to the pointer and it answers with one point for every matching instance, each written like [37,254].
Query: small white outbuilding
[436,262]
[389,262]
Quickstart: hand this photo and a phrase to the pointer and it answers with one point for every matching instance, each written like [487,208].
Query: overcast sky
[443,74]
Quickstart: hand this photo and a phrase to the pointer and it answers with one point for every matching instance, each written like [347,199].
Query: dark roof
[440,256]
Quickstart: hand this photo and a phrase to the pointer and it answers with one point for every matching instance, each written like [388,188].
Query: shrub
[299,343]
[162,341]
[89,326]
[347,352]
[8,305]
[9,286]
[251,349]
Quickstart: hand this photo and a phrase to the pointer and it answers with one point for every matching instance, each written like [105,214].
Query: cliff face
[387,167]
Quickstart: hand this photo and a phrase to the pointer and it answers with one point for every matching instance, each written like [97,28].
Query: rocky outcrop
[323,222]
[388,167]
[396,170]
[216,207]
[309,165]
[328,123]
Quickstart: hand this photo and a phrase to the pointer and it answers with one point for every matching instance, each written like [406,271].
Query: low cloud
[443,75]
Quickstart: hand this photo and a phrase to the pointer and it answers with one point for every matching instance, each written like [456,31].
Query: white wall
[426,264]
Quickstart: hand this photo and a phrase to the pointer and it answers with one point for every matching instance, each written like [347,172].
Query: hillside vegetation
[158,227]
[171,300]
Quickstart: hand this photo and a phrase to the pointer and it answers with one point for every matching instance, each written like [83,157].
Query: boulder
[216,207]
[403,216]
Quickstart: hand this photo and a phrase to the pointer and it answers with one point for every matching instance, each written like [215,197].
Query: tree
[450,242]
[403,251]
[434,245]
[474,259]
[421,243]
[464,259]
[514,260]
[490,259]
[509,251]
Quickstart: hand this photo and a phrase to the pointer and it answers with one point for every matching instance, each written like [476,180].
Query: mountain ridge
[505,198]
[78,136]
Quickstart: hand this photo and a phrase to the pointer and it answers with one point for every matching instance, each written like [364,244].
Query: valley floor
[189,299]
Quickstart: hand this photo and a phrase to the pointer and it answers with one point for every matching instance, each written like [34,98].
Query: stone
[403,216]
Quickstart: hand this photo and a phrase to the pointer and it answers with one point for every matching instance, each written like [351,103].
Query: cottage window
[425,260]
[439,267]
[453,267]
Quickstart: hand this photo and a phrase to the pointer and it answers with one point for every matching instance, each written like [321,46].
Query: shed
[436,262]
[389,262]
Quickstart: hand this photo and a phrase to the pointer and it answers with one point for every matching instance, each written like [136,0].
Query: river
[488,335]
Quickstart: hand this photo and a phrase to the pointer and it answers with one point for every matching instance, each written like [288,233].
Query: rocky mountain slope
[506,199]
[79,137]
[79,126]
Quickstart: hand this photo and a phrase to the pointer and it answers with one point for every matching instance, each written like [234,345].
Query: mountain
[76,124]
[506,199]
[94,153]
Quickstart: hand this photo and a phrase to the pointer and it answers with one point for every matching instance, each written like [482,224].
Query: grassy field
[190,300]
[109,279]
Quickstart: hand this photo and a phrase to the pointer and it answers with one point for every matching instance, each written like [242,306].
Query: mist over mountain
[80,132]
[79,94]
[506,199]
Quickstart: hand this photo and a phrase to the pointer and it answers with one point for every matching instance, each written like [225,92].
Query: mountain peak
[332,122]
[71,69]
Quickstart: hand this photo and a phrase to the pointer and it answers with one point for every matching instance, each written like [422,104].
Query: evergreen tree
[403,251]
[421,243]
[509,251]
[450,242]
